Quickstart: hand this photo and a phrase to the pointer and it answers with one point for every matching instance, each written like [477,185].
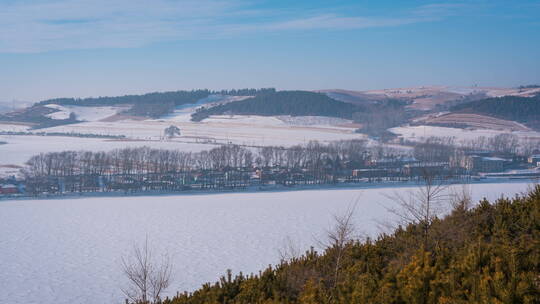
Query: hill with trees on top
[294,103]
[516,108]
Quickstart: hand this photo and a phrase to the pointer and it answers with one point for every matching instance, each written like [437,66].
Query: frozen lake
[68,250]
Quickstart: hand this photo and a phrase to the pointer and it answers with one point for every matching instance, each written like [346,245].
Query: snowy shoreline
[263,189]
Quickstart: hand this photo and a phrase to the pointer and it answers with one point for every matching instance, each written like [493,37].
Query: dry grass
[477,121]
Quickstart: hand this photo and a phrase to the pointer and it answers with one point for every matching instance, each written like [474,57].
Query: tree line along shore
[230,167]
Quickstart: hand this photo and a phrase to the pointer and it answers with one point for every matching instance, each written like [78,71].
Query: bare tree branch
[289,250]
[146,278]
[339,235]
[423,204]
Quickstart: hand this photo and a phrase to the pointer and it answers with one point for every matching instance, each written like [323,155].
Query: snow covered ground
[83,113]
[195,136]
[241,129]
[238,129]
[10,127]
[68,250]
[419,133]
[20,148]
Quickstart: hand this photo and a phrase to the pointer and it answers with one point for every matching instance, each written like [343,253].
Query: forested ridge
[294,103]
[522,109]
[487,254]
[154,104]
[177,97]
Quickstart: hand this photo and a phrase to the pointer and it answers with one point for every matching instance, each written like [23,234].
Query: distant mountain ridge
[375,111]
[150,105]
[177,97]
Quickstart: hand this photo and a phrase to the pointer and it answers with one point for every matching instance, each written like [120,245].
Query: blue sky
[54,48]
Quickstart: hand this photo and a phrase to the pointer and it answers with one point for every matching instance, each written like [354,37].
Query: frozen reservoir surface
[69,250]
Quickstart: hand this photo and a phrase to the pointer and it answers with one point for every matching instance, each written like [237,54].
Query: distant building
[419,169]
[486,164]
[480,161]
[534,159]
[393,162]
[8,189]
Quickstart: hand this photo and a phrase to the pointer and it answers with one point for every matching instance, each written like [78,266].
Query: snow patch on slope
[420,133]
[83,113]
[183,113]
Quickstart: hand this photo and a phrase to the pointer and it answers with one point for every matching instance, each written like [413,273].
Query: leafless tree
[529,146]
[339,235]
[504,143]
[147,277]
[289,250]
[461,197]
[435,149]
[423,204]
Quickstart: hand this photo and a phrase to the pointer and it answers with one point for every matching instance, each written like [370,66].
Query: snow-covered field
[20,148]
[419,133]
[245,130]
[10,127]
[195,136]
[238,129]
[68,250]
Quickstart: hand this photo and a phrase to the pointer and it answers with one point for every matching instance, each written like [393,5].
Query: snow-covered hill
[84,113]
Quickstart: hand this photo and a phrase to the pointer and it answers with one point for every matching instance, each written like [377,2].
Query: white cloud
[37,26]
[339,22]
[31,27]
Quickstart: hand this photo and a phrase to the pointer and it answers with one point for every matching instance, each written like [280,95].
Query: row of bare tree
[437,148]
[313,156]
[146,160]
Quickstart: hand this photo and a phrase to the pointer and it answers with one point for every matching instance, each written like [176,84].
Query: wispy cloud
[442,10]
[339,22]
[46,25]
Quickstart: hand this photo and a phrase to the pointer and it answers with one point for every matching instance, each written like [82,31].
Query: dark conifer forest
[294,103]
[177,97]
